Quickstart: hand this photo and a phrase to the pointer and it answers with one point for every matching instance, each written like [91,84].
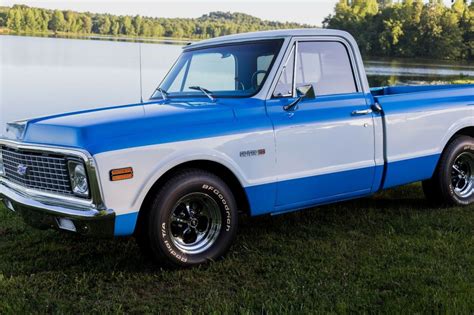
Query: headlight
[78,176]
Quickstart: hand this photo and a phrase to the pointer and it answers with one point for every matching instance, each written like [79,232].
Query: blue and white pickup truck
[257,123]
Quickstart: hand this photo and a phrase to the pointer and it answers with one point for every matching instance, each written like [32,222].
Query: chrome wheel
[195,223]
[462,175]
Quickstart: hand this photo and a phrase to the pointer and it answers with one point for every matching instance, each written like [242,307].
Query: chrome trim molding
[91,222]
[361,83]
[48,206]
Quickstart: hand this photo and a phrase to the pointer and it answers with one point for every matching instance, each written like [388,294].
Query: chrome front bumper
[47,213]
[49,210]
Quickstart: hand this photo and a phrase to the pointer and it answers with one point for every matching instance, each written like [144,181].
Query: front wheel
[192,220]
[453,180]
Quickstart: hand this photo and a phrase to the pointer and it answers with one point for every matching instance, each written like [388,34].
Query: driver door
[325,145]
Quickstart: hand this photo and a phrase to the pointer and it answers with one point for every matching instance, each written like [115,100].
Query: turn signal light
[121,174]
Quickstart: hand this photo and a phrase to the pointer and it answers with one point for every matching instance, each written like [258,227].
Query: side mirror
[305,91]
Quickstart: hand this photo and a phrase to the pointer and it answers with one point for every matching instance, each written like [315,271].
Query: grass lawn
[389,253]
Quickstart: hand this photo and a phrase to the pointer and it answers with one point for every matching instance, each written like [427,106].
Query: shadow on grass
[25,250]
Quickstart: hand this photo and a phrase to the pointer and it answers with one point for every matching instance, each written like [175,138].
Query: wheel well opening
[213,167]
[468,131]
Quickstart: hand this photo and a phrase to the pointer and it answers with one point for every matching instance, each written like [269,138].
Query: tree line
[410,28]
[407,28]
[21,18]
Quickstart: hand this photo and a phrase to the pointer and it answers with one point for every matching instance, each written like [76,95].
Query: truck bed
[418,122]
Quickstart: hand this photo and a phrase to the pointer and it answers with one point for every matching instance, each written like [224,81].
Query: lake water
[42,76]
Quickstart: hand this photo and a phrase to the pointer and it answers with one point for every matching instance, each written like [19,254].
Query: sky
[310,12]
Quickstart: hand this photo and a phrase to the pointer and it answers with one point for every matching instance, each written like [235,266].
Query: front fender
[149,163]
[181,157]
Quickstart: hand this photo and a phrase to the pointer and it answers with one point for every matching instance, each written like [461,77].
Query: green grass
[389,253]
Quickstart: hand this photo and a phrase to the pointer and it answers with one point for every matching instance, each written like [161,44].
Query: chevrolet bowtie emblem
[21,170]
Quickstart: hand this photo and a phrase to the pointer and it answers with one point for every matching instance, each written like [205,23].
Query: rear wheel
[192,220]
[453,180]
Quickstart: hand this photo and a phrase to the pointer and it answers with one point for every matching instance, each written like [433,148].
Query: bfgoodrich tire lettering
[192,220]
[453,180]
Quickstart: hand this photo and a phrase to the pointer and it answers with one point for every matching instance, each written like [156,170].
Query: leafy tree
[127,26]
[73,24]
[115,26]
[15,20]
[57,23]
[86,22]
[30,20]
[410,28]
[103,25]
[138,24]
[157,30]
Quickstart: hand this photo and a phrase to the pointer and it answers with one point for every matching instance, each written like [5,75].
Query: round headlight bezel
[79,178]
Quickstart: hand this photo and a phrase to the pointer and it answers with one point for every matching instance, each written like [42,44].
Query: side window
[326,66]
[212,71]
[285,83]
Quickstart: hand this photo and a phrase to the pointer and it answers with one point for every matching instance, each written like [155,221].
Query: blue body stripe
[378,178]
[311,190]
[305,192]
[261,198]
[125,224]
[411,170]
[316,190]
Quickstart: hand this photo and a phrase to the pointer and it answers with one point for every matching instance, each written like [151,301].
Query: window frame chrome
[95,200]
[293,49]
[357,73]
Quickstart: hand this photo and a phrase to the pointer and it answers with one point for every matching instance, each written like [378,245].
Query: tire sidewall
[460,145]
[164,205]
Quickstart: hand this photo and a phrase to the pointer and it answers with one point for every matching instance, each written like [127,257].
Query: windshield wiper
[203,90]
[164,94]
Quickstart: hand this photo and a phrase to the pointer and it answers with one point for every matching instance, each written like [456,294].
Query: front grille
[42,171]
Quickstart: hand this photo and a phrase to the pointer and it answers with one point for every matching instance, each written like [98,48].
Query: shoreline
[184,41]
[132,39]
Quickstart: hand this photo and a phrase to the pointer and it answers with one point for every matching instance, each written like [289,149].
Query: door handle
[361,112]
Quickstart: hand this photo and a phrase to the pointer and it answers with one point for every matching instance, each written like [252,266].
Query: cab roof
[268,35]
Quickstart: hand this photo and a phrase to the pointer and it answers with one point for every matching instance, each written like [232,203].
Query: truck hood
[120,127]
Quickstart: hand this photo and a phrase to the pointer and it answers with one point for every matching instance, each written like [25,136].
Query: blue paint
[391,90]
[309,191]
[411,170]
[321,201]
[407,99]
[120,127]
[378,178]
[125,224]
[261,198]
[322,189]
[124,127]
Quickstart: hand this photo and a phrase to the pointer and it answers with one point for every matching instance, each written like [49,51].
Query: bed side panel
[418,126]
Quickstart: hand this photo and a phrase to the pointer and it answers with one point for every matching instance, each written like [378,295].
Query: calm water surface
[42,76]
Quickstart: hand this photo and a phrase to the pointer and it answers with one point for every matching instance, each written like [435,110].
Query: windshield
[237,70]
